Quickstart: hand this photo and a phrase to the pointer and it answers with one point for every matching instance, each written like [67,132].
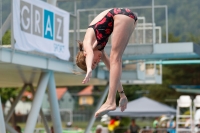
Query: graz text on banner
[39,26]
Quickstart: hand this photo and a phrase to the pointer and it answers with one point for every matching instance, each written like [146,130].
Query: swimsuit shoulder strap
[91,26]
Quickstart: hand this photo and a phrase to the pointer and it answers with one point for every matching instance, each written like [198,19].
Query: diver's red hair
[80,58]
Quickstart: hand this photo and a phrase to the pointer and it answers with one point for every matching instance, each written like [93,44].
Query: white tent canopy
[144,107]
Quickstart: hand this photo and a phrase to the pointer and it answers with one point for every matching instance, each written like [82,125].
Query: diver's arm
[89,58]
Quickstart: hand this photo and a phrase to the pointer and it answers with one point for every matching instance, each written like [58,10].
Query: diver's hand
[87,77]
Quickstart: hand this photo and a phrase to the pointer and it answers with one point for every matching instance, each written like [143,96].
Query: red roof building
[85,96]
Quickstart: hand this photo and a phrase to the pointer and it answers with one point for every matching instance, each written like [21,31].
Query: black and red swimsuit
[104,27]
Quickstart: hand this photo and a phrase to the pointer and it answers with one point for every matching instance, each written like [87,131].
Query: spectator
[188,123]
[99,129]
[134,128]
[171,125]
[52,130]
[155,122]
[18,129]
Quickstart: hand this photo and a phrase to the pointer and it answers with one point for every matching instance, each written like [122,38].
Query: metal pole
[75,32]
[2,125]
[1,33]
[177,62]
[37,102]
[55,112]
[144,31]
[166,15]
[10,129]
[136,34]
[160,36]
[78,25]
[12,34]
[41,112]
[136,7]
[161,72]
[98,106]
[12,109]
[153,21]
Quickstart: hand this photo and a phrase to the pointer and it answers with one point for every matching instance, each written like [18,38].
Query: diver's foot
[123,103]
[105,108]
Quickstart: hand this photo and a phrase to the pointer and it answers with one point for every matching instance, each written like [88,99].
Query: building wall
[86,100]
[66,102]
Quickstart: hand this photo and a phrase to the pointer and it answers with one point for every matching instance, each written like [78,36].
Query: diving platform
[137,56]
[186,88]
[160,51]
[18,68]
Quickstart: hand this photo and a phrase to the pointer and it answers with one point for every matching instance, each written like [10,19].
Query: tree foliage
[7,38]
[8,94]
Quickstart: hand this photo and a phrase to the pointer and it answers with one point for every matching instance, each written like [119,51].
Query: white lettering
[59,27]
[25,8]
[48,27]
[37,21]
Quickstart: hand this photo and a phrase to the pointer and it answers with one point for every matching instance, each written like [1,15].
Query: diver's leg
[120,37]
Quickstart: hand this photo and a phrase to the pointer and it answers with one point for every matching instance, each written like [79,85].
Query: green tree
[9,94]
[6,38]
[193,38]
[172,38]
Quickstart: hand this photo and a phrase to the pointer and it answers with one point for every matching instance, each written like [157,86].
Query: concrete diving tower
[20,69]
